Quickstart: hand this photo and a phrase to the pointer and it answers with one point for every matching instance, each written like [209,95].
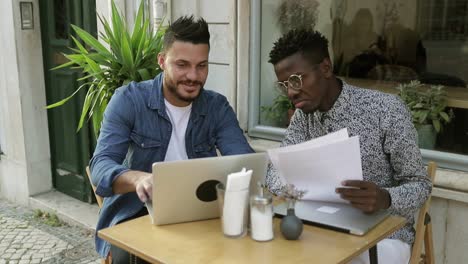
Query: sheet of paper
[316,142]
[320,169]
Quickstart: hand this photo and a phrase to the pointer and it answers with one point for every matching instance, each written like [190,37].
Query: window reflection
[379,44]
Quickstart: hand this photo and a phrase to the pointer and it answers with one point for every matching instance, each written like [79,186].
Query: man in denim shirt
[169,118]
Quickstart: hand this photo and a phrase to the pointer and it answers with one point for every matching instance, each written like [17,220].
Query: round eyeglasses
[294,82]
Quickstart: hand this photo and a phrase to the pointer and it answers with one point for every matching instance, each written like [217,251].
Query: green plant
[128,57]
[47,218]
[428,104]
[279,109]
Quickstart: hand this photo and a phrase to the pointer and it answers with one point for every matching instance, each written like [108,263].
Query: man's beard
[173,90]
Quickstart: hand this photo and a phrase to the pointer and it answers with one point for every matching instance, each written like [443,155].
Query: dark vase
[291,226]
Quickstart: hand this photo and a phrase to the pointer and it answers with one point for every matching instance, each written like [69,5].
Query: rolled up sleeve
[113,142]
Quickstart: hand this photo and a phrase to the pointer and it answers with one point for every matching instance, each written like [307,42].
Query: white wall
[221,18]
[25,164]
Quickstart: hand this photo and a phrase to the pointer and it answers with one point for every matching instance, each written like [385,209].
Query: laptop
[337,216]
[184,190]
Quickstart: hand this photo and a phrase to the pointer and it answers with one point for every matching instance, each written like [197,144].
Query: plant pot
[291,226]
[426,136]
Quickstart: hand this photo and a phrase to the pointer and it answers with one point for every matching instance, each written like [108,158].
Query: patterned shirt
[390,156]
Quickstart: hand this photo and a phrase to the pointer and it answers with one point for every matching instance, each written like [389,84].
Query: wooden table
[203,242]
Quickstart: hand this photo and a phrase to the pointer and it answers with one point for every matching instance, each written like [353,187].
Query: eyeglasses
[294,82]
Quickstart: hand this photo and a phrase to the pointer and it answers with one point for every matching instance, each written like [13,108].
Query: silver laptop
[337,216]
[185,191]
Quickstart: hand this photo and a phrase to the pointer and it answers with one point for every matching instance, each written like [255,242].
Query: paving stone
[15,256]
[27,245]
[25,239]
[26,256]
[50,245]
[38,255]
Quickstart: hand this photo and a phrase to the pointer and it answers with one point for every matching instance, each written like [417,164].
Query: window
[443,20]
[375,45]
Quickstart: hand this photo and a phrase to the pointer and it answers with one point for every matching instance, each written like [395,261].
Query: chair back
[99,199]
[424,228]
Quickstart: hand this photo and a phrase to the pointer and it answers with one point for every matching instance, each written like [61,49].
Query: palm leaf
[129,56]
[61,102]
[90,40]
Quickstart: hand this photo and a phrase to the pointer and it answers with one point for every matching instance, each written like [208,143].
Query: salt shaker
[261,216]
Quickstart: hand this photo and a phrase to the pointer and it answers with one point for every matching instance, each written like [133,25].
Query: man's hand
[144,187]
[135,181]
[364,195]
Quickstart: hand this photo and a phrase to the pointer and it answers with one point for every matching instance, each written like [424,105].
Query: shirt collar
[341,102]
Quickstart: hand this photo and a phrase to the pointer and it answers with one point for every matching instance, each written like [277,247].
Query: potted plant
[280,111]
[129,56]
[428,106]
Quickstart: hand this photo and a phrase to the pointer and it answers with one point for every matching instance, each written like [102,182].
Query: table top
[203,242]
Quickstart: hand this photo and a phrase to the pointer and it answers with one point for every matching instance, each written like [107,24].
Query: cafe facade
[373,44]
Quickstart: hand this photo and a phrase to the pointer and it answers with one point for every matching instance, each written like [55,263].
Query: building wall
[221,18]
[25,164]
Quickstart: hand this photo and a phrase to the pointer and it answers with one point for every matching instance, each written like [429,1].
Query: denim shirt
[135,133]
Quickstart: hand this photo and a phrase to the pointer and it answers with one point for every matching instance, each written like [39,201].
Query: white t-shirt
[179,117]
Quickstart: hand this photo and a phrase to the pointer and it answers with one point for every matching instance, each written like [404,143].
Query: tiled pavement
[25,238]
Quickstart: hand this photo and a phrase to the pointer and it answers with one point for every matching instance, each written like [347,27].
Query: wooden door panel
[70,151]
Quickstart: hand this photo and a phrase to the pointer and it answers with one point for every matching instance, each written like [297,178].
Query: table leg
[373,255]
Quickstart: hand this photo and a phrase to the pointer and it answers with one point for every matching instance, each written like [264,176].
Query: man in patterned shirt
[394,176]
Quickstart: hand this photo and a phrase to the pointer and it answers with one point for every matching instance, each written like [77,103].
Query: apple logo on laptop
[206,191]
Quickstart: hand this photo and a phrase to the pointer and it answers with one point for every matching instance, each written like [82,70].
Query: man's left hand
[364,195]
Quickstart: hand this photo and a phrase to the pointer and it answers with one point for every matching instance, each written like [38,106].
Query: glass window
[373,44]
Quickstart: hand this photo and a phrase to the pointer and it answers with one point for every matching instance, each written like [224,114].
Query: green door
[70,151]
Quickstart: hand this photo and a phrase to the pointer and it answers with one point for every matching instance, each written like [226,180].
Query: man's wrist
[386,199]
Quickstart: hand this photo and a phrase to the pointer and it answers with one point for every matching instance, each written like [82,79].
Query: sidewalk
[27,237]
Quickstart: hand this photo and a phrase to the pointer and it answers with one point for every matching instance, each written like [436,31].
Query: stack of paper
[320,165]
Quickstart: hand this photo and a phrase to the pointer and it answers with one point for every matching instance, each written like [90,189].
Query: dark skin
[364,195]
[320,89]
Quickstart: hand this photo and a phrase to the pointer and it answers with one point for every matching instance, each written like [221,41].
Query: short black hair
[187,29]
[312,44]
